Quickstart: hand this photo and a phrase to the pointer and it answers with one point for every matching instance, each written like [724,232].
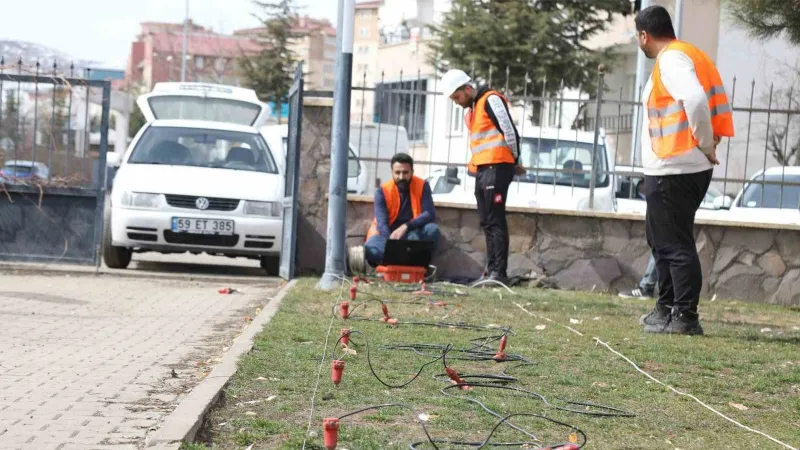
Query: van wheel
[114,257]
[271,264]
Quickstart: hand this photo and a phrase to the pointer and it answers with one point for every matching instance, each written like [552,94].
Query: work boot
[684,323]
[657,319]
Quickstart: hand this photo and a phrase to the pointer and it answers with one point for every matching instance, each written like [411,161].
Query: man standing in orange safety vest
[494,145]
[687,113]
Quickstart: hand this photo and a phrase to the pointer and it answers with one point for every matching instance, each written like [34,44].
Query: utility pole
[637,116]
[678,18]
[340,136]
[185,42]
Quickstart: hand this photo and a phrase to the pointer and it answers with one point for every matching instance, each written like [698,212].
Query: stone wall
[608,252]
[597,251]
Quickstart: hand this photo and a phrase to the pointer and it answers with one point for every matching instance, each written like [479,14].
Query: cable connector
[456,378]
[501,355]
[337,369]
[345,336]
[423,291]
[386,317]
[330,427]
[344,308]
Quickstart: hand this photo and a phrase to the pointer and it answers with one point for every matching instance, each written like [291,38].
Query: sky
[102,30]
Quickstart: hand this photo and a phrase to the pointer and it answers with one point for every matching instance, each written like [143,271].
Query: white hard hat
[453,80]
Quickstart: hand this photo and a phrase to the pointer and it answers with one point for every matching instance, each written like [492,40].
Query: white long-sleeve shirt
[680,80]
[498,107]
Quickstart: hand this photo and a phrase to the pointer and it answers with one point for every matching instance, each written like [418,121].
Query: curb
[184,422]
[91,271]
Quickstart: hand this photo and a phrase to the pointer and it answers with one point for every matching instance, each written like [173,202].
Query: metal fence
[407,113]
[53,143]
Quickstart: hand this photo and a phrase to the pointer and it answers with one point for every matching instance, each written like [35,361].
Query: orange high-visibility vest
[392,196]
[670,134]
[487,143]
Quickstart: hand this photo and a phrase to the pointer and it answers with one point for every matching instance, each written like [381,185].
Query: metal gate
[290,197]
[53,144]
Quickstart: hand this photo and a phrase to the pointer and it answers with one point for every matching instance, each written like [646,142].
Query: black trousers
[491,189]
[672,202]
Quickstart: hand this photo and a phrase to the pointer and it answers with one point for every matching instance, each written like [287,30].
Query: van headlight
[266,209]
[141,200]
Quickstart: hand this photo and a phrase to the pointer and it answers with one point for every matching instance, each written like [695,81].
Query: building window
[456,119]
[199,62]
[553,112]
[363,49]
[220,64]
[403,108]
[363,32]
[365,13]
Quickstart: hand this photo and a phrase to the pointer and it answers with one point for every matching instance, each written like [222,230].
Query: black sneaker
[684,324]
[657,318]
[637,293]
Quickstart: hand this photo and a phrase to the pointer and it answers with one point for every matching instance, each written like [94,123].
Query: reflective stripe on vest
[486,142]
[670,134]
[392,196]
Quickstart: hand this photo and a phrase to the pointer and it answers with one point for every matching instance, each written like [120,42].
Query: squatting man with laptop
[403,211]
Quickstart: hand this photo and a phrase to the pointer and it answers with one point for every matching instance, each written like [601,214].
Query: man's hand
[520,170]
[399,233]
[712,157]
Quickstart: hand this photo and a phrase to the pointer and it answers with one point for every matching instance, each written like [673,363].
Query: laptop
[401,252]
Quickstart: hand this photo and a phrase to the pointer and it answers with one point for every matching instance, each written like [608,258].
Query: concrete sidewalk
[91,362]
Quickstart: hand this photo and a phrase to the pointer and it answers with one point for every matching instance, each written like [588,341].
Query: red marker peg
[386,317]
[344,307]
[423,291]
[455,377]
[337,368]
[330,428]
[501,355]
[345,334]
[353,290]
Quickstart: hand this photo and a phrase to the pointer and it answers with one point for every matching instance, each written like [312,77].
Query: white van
[198,177]
[541,151]
[277,136]
[377,141]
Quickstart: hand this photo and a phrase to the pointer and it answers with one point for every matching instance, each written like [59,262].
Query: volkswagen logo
[201,203]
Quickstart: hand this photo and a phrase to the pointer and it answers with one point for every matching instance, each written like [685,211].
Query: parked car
[277,137]
[19,171]
[775,202]
[198,177]
[559,166]
[630,184]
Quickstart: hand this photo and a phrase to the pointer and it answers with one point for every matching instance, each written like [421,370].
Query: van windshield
[562,162]
[199,147]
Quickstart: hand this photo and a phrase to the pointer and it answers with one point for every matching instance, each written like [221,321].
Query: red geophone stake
[337,368]
[501,355]
[330,427]
[345,334]
[344,307]
[353,290]
[456,377]
[386,317]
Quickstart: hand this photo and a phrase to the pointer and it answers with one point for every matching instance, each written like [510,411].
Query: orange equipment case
[402,274]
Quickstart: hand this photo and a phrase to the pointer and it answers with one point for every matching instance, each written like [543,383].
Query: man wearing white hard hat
[494,143]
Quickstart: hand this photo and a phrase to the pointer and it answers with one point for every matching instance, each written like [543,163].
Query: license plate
[202,226]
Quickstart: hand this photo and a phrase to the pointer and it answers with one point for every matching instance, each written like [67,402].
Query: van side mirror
[722,202]
[451,176]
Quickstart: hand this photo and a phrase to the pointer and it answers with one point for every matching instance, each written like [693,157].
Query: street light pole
[637,121]
[678,17]
[185,42]
[337,190]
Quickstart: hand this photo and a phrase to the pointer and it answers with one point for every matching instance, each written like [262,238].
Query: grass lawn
[747,367]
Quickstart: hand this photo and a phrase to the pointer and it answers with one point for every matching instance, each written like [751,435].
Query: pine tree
[768,18]
[270,71]
[544,39]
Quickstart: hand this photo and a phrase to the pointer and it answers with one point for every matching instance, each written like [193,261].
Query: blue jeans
[375,246]
[648,282]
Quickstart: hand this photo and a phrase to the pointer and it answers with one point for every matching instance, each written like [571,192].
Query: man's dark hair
[655,20]
[403,158]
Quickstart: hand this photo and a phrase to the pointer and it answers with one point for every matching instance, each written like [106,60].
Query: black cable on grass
[609,411]
[369,361]
[399,405]
[485,442]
